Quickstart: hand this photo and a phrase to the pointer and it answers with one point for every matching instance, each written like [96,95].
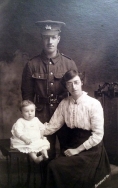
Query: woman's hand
[75,151]
[70,152]
[42,134]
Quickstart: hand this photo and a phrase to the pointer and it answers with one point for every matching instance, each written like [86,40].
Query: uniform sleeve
[56,121]
[73,66]
[97,126]
[17,129]
[27,85]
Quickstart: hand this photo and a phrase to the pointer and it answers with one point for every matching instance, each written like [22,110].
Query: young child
[27,133]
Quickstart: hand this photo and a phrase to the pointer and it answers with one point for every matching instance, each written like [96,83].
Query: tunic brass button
[52,84]
[50,63]
[51,73]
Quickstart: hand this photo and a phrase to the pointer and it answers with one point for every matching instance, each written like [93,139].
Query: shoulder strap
[34,57]
[65,56]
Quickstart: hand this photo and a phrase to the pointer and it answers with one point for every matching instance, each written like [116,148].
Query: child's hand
[28,141]
[25,139]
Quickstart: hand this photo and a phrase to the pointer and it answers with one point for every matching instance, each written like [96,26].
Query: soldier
[42,74]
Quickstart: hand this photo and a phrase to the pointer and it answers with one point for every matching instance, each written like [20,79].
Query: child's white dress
[31,129]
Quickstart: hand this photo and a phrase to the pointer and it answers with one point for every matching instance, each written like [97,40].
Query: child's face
[28,112]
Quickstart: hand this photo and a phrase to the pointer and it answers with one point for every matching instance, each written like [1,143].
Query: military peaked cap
[49,27]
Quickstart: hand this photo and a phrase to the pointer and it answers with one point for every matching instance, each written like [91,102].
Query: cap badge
[48,27]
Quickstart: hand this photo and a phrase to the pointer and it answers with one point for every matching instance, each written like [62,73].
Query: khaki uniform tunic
[41,82]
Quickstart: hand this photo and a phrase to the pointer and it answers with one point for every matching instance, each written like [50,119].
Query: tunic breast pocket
[40,83]
[57,78]
[39,76]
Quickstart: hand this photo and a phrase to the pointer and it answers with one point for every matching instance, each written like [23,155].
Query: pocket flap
[58,75]
[39,76]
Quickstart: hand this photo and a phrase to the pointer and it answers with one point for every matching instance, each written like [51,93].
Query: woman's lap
[83,170]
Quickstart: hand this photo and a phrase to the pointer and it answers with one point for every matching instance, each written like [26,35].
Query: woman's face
[74,86]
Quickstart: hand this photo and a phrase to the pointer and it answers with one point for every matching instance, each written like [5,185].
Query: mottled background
[90,38]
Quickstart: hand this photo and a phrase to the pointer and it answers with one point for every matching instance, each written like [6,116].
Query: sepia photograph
[58,94]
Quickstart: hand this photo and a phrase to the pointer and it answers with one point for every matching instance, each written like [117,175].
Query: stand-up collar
[79,99]
[47,60]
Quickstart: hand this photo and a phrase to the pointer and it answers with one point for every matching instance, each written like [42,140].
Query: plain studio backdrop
[90,38]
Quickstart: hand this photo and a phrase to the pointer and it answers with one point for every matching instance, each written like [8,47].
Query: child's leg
[36,159]
[44,153]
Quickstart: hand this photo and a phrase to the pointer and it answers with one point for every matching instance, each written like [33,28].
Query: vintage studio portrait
[58,94]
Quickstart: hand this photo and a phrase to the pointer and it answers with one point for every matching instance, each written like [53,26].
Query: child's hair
[25,103]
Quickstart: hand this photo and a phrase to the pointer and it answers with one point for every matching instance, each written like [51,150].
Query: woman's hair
[25,103]
[70,75]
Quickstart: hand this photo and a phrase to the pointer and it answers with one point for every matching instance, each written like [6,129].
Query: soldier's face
[50,43]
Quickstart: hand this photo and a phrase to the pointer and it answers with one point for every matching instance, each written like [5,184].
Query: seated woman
[84,163]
